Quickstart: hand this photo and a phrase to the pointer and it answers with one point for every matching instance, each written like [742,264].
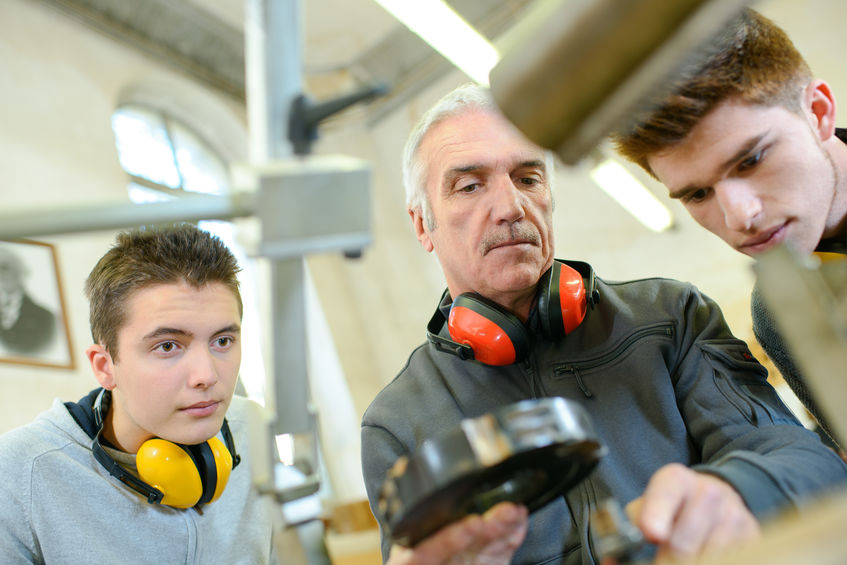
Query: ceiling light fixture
[622,186]
[448,33]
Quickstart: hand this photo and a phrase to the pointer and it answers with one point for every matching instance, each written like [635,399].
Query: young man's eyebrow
[740,154]
[230,329]
[678,194]
[165,331]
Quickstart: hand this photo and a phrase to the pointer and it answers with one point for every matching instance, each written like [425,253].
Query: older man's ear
[421,231]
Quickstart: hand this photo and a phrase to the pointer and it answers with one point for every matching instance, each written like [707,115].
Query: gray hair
[465,99]
[10,261]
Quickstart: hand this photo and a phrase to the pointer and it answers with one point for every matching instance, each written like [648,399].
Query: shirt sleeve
[380,449]
[744,432]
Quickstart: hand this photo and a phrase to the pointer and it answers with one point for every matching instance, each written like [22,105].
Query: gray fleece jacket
[58,505]
[663,381]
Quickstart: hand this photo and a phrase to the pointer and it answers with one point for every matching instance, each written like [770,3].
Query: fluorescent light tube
[448,33]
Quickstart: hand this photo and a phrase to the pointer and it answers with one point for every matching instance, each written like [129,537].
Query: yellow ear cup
[169,468]
[223,464]
[827,256]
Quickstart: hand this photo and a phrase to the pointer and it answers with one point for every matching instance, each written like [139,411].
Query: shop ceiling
[345,43]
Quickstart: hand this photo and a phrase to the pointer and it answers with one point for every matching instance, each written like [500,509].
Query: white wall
[56,148]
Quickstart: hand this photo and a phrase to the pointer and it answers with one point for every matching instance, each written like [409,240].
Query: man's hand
[687,513]
[490,539]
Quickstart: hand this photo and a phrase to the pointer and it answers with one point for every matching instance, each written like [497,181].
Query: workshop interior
[121,112]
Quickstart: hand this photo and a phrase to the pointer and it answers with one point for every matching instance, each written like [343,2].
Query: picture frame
[33,316]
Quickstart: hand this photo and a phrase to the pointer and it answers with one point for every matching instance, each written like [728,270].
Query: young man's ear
[819,103]
[420,228]
[102,365]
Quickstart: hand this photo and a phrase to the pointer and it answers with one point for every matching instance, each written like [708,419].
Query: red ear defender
[484,331]
[496,337]
[562,302]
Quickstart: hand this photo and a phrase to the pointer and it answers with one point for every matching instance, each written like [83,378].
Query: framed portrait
[33,319]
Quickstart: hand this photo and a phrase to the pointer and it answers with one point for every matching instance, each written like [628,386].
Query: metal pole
[272,35]
[273,77]
[53,221]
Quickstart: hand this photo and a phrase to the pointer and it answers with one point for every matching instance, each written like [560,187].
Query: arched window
[163,157]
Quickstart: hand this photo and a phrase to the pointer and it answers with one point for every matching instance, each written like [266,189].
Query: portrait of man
[26,327]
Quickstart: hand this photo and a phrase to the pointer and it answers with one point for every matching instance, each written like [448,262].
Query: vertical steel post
[274,79]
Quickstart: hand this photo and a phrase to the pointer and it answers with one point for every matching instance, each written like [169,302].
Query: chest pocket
[575,369]
[742,380]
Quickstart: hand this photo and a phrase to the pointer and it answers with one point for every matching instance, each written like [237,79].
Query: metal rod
[52,221]
[574,70]
[274,80]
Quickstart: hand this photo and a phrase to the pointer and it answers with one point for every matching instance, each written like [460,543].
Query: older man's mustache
[516,233]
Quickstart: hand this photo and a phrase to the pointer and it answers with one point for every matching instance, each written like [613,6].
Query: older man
[698,442]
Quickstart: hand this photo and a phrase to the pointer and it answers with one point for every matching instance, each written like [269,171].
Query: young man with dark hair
[144,469]
[747,142]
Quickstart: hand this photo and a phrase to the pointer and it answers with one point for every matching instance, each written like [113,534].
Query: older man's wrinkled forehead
[445,139]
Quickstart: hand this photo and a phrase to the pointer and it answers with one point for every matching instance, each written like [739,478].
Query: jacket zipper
[665,328]
[530,373]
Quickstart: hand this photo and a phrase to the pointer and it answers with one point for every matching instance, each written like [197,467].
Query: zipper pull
[574,370]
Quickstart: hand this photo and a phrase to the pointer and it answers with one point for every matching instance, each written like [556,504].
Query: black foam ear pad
[186,475]
[204,459]
[496,336]
[562,302]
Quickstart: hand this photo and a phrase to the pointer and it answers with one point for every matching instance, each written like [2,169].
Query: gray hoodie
[59,505]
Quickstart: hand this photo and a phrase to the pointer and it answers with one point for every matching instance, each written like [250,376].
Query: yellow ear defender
[169,473]
[187,475]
